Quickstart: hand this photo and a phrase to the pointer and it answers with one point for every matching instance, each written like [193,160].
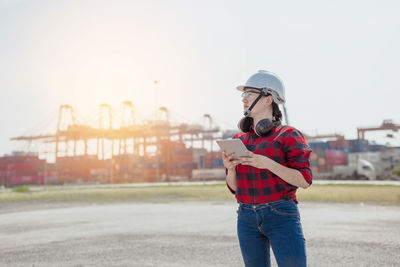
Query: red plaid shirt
[285,145]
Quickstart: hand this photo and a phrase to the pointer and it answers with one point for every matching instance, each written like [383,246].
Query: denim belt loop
[263,205]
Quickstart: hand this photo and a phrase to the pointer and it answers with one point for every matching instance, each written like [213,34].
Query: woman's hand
[229,162]
[289,175]
[255,160]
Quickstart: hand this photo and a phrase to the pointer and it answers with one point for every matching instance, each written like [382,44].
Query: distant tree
[396,171]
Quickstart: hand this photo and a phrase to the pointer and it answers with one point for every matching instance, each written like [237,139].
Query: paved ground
[89,186]
[186,234]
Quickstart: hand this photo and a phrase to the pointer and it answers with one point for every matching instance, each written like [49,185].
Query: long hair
[276,112]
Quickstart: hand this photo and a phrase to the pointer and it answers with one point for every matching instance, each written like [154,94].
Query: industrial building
[159,151]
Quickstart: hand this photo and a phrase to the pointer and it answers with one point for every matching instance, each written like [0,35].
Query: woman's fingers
[225,156]
[246,160]
[232,164]
[235,162]
[229,160]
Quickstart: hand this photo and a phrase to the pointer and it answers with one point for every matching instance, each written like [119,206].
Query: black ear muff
[265,126]
[245,124]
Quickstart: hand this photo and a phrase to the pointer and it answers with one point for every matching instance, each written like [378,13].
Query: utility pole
[285,113]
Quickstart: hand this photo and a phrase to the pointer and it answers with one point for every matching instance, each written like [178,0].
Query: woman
[265,183]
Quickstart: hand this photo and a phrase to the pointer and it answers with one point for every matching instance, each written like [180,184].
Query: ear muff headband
[265,126]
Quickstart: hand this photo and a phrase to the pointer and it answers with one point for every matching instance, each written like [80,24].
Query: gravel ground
[185,234]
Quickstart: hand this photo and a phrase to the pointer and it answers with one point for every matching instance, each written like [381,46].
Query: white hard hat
[268,82]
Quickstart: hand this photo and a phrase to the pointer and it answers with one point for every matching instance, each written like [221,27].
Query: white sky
[339,60]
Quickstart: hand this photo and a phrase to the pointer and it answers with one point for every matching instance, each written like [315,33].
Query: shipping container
[359,145]
[314,169]
[49,177]
[313,156]
[217,163]
[202,162]
[375,148]
[335,157]
[186,151]
[318,145]
[344,149]
[3,178]
[182,158]
[319,152]
[151,175]
[23,179]
[325,168]
[321,161]
[338,144]
[314,162]
[188,165]
[151,165]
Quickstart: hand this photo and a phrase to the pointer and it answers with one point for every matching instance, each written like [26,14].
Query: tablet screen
[233,146]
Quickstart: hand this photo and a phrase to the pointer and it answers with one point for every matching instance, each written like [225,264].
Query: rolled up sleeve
[298,153]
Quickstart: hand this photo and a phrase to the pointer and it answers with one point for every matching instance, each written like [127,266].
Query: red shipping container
[325,168]
[335,157]
[321,161]
[173,145]
[24,179]
[314,170]
[24,169]
[313,156]
[21,166]
[182,158]
[3,178]
[54,175]
[319,152]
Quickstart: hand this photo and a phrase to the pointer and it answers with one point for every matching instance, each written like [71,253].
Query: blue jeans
[276,224]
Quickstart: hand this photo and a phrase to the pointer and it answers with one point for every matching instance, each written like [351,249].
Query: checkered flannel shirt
[285,145]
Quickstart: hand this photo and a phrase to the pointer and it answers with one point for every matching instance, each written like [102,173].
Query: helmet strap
[248,112]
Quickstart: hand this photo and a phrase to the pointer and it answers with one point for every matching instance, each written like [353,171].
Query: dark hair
[276,112]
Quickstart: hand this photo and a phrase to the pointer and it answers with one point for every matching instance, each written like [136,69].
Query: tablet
[233,146]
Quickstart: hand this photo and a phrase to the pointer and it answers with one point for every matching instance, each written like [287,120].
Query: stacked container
[183,162]
[213,160]
[199,156]
[78,168]
[127,168]
[325,155]
[182,156]
[152,170]
[317,159]
[336,157]
[314,162]
[20,170]
[358,145]
[343,145]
